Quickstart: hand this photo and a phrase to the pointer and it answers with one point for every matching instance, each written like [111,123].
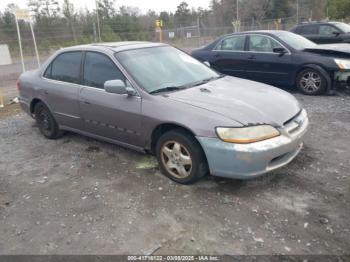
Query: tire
[181,157]
[46,122]
[311,82]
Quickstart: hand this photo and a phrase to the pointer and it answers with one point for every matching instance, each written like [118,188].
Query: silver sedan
[156,99]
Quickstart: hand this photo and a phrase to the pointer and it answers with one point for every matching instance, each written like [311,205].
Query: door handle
[252,57]
[86,102]
[217,55]
[46,93]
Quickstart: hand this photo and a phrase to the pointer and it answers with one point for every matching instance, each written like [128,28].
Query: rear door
[229,56]
[62,87]
[108,115]
[264,65]
[310,31]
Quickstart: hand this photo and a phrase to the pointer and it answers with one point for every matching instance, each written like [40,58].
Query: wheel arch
[33,103]
[319,68]
[162,128]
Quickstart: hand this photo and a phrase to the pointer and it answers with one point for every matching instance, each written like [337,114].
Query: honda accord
[280,58]
[156,99]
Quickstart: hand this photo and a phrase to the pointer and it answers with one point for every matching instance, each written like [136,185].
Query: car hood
[244,101]
[331,49]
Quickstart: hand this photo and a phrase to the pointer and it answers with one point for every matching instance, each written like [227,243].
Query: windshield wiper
[175,88]
[202,82]
[167,89]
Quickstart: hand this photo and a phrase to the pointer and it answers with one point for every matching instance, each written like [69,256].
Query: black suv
[324,32]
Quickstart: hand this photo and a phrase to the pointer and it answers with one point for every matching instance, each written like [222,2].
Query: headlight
[342,63]
[246,135]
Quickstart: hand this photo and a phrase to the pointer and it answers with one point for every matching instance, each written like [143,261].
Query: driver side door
[329,34]
[264,65]
[108,115]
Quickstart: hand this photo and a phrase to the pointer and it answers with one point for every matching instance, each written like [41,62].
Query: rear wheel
[311,82]
[181,157]
[46,122]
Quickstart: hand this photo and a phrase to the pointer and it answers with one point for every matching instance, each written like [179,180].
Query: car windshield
[344,27]
[295,41]
[164,68]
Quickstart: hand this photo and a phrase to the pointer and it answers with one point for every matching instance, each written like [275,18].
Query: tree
[106,9]
[165,17]
[44,8]
[256,10]
[338,9]
[183,14]
[281,9]
[69,14]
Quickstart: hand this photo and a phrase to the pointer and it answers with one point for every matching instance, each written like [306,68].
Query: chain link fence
[54,37]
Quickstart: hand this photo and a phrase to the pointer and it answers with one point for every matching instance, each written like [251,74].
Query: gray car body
[133,121]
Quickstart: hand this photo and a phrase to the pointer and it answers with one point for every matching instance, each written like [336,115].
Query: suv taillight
[18,85]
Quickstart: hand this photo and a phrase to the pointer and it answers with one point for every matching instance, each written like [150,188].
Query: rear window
[233,43]
[65,67]
[307,29]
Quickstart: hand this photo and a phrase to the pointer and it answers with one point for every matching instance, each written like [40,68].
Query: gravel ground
[76,195]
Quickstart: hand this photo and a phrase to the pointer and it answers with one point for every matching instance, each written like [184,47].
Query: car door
[264,64]
[61,88]
[108,115]
[329,34]
[229,56]
[310,32]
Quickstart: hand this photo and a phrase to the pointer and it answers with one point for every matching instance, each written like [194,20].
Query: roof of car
[266,32]
[317,22]
[116,46]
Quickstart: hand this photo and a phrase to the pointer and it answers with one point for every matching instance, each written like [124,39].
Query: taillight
[18,85]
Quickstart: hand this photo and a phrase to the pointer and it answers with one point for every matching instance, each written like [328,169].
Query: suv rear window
[65,67]
[307,30]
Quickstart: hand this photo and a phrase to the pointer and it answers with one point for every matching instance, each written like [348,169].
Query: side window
[65,67]
[47,73]
[98,69]
[259,43]
[309,30]
[327,30]
[235,43]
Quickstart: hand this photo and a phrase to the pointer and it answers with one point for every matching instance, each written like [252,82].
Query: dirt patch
[10,110]
[76,195]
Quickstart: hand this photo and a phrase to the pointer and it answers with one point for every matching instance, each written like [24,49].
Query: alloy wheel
[310,82]
[176,159]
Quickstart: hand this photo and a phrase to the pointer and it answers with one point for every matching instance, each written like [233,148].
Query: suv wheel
[46,122]
[311,82]
[181,157]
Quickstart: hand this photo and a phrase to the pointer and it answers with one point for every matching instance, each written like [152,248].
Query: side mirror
[118,87]
[206,63]
[336,33]
[280,50]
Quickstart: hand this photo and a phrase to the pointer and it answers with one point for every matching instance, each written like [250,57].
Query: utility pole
[98,22]
[237,10]
[297,11]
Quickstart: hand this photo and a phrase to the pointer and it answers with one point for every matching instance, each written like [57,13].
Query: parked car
[324,32]
[155,98]
[279,58]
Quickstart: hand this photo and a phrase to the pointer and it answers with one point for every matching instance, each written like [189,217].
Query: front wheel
[311,82]
[181,157]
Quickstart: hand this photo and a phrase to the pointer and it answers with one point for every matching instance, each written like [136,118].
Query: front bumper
[342,77]
[244,161]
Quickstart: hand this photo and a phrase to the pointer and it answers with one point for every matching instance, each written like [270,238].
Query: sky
[144,5]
